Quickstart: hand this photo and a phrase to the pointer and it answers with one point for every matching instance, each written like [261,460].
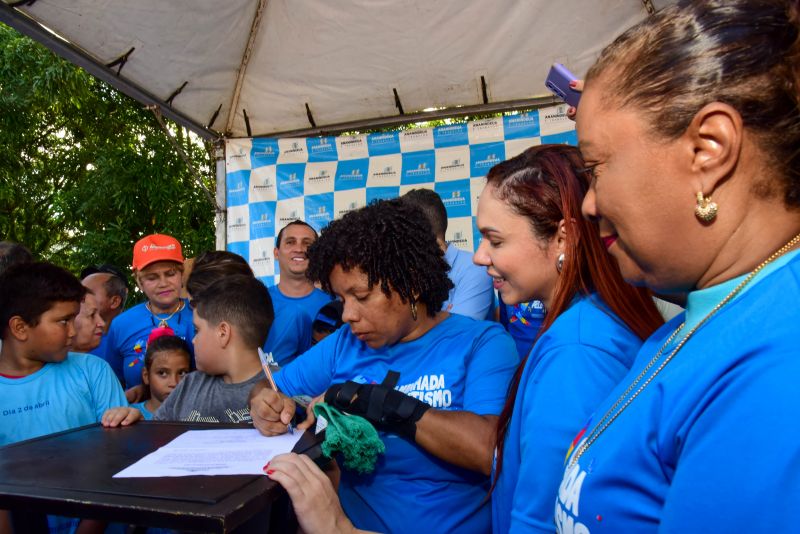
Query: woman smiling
[691,124]
[537,246]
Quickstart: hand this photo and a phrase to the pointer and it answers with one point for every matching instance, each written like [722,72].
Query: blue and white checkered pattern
[271,182]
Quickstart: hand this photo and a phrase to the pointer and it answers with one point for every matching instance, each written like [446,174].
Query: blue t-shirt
[57,397]
[290,334]
[101,351]
[473,294]
[147,414]
[127,339]
[711,444]
[460,364]
[522,321]
[572,367]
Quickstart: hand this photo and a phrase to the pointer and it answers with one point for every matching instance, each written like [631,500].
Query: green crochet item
[351,435]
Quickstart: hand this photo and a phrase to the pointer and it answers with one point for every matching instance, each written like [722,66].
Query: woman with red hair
[537,246]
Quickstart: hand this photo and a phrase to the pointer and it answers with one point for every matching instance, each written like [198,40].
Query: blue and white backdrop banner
[271,182]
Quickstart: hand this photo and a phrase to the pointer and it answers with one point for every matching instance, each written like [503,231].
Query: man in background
[473,294]
[110,289]
[295,299]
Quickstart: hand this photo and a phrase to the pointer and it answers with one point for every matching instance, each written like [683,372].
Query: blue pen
[268,373]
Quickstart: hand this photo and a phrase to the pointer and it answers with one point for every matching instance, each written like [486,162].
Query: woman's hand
[314,499]
[271,410]
[578,86]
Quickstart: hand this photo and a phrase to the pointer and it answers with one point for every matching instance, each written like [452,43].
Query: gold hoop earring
[414,309]
[560,262]
[706,209]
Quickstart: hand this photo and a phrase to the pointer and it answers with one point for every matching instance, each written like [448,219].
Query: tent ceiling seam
[262,4]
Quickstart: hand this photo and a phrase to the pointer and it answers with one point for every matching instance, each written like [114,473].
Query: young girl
[165,364]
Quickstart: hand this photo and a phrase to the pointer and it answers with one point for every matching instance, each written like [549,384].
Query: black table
[70,474]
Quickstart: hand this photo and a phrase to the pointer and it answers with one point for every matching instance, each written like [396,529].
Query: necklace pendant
[163,324]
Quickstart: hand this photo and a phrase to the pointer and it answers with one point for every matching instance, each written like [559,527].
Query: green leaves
[84,170]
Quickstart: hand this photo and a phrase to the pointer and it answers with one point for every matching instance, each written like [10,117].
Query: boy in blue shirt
[231,317]
[295,299]
[44,388]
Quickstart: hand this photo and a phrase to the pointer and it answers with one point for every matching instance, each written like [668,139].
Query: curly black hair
[391,241]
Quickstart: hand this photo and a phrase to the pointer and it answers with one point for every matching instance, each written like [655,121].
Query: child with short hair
[45,388]
[166,363]
[232,317]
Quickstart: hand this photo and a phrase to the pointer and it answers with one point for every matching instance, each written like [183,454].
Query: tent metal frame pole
[240,75]
[221,219]
[400,120]
[28,26]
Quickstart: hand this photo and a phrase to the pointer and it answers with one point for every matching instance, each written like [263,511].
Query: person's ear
[115,302]
[145,376]
[224,334]
[715,138]
[136,281]
[18,328]
[560,238]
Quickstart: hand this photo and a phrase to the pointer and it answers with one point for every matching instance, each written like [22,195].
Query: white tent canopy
[239,68]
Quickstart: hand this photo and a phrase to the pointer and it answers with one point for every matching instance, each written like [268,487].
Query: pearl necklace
[162,322]
[616,410]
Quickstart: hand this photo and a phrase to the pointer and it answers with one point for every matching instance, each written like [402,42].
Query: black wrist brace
[380,404]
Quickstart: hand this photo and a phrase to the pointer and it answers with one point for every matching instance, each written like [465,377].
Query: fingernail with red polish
[265,467]
[270,471]
[573,84]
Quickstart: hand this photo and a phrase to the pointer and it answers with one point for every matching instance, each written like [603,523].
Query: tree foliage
[85,170]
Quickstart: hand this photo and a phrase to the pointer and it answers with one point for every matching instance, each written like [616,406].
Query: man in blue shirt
[295,299]
[473,294]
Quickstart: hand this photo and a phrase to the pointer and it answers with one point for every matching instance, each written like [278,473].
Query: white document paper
[212,452]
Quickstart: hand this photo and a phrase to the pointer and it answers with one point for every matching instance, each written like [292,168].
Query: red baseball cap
[156,247]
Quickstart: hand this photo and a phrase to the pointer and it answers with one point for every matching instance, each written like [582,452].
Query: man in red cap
[157,269]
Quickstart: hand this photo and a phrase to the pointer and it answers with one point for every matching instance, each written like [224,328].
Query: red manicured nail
[573,84]
[265,467]
[270,471]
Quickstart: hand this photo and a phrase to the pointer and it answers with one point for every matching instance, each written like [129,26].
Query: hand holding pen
[271,381]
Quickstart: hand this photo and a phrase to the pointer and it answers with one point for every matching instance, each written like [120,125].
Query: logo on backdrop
[265,185]
[459,240]
[522,125]
[453,165]
[264,258]
[322,149]
[293,216]
[352,206]
[451,135]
